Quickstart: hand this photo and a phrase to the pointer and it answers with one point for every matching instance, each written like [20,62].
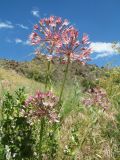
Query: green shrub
[16,131]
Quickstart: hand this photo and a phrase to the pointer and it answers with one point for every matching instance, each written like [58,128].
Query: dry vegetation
[87,133]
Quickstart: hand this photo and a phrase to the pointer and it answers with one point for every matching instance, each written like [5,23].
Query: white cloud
[27,42]
[20,41]
[9,25]
[6,25]
[9,22]
[22,26]
[103,49]
[102,55]
[35,13]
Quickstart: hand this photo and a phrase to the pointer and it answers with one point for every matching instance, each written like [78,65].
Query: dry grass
[95,144]
[10,80]
[86,133]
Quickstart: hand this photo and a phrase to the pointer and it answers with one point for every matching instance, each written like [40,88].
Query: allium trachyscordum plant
[43,105]
[97,97]
[61,41]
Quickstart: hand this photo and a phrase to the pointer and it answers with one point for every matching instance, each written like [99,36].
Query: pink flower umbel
[48,32]
[72,48]
[43,105]
[61,40]
[97,97]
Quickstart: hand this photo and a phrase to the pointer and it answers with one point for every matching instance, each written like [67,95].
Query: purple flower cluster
[97,97]
[43,105]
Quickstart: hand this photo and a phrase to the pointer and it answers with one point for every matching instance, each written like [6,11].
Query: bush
[16,131]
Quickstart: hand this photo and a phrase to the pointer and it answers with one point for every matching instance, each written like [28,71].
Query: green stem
[53,148]
[64,80]
[41,137]
[48,81]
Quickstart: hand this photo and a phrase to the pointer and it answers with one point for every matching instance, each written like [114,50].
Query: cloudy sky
[98,18]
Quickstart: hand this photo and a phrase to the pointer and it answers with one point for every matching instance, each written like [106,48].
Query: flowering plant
[43,105]
[60,39]
[97,97]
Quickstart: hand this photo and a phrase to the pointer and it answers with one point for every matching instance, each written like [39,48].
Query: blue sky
[98,18]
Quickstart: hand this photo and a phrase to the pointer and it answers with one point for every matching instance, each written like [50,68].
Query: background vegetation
[87,133]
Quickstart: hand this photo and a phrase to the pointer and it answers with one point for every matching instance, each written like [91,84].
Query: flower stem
[41,137]
[64,80]
[48,80]
[53,143]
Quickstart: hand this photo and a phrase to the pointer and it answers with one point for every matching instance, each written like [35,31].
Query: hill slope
[36,69]
[86,132]
[10,80]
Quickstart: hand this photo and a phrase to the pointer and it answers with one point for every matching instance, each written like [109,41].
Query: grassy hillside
[39,65]
[86,133]
[10,80]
